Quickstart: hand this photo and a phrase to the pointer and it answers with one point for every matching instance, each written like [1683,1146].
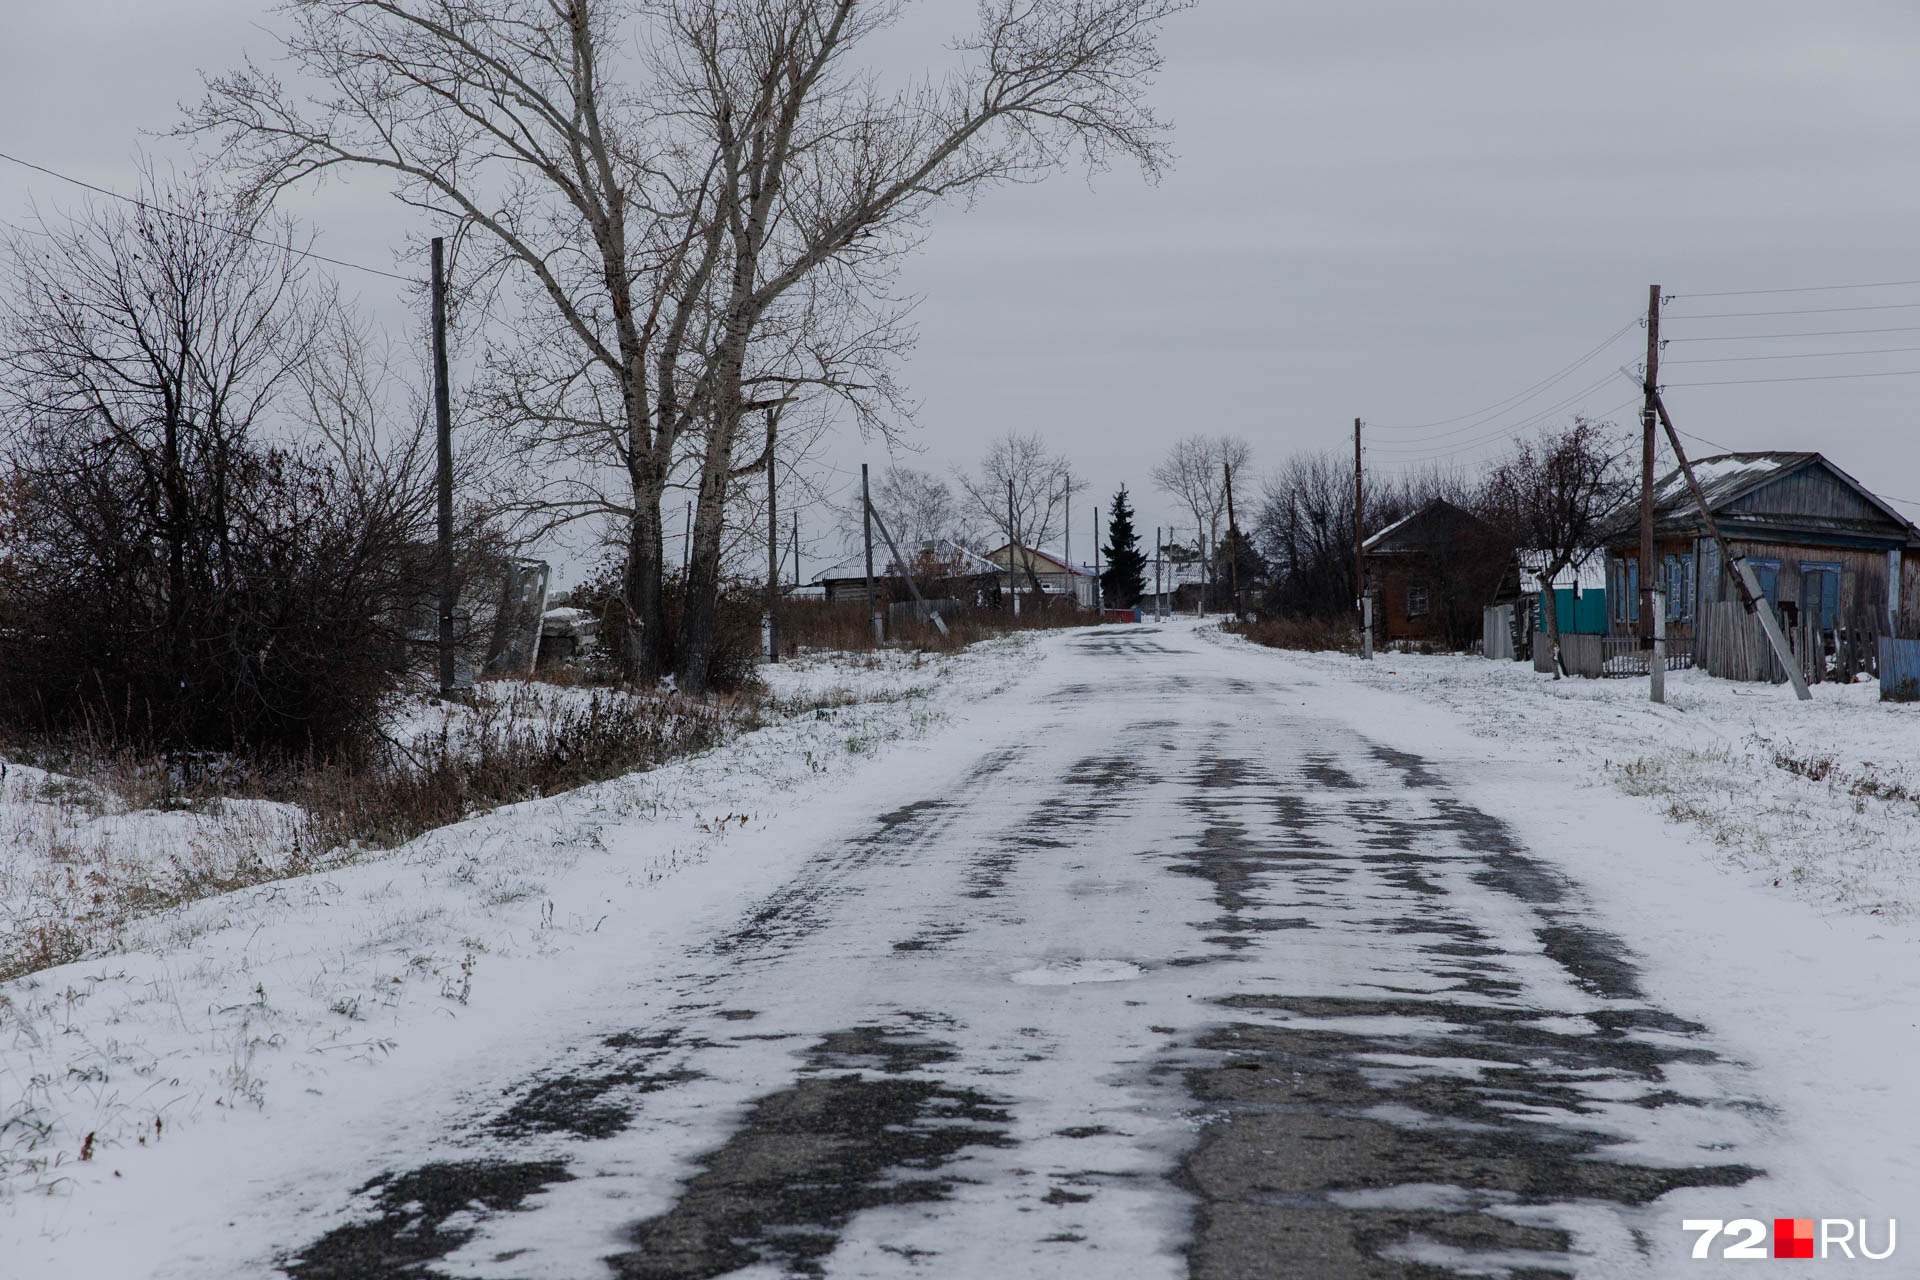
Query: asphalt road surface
[1179,983]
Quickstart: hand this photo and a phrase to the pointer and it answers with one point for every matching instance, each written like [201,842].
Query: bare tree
[1194,474]
[1552,496]
[692,250]
[192,569]
[918,508]
[1021,491]
[1303,526]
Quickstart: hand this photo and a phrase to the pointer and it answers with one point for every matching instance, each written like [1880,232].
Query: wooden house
[942,570]
[1832,558]
[1057,577]
[1432,573]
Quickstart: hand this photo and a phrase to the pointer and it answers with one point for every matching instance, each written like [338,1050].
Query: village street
[1180,959]
[1179,981]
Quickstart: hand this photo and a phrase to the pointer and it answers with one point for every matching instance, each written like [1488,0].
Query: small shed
[1432,574]
[1837,562]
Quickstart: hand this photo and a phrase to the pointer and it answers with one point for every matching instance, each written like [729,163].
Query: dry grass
[110,837]
[1313,635]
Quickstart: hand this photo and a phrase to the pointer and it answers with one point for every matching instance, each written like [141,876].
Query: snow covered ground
[1819,799]
[229,1008]
[1756,856]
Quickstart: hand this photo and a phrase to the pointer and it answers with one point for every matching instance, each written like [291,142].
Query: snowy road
[1185,976]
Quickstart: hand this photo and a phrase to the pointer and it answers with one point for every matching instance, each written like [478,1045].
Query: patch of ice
[1063,973]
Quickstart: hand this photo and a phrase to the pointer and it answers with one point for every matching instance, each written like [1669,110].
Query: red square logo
[1793,1237]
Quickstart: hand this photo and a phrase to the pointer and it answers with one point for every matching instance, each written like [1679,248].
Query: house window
[1767,572]
[1417,601]
[1679,575]
[1820,593]
[1626,589]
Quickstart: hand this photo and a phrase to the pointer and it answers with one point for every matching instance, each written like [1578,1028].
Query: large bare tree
[702,231]
[1194,474]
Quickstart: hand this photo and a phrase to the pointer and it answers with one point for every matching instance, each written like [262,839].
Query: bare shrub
[1314,635]
[182,574]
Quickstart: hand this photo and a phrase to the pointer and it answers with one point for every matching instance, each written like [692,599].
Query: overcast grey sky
[1397,210]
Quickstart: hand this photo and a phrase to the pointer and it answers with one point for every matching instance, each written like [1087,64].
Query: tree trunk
[1550,614]
[643,653]
[700,609]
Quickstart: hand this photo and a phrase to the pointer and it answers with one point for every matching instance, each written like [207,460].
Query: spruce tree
[1125,578]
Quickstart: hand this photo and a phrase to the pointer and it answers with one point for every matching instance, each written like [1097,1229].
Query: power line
[1808,333]
[1500,406]
[184,217]
[1506,429]
[1794,355]
[1809,288]
[1810,377]
[1798,311]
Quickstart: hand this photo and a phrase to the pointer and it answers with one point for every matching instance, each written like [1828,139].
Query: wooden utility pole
[772,627]
[1158,544]
[686,540]
[866,524]
[1099,589]
[1233,549]
[1013,583]
[1656,662]
[1360,550]
[443,470]
[796,549]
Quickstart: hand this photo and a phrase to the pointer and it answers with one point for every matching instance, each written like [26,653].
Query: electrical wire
[1807,288]
[1793,355]
[174,213]
[1500,406]
[1810,377]
[1798,311]
[1807,333]
[1504,430]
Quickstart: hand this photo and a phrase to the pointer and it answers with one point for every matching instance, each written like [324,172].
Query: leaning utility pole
[866,522]
[1748,587]
[1362,601]
[906,571]
[1656,656]
[1233,550]
[772,626]
[443,471]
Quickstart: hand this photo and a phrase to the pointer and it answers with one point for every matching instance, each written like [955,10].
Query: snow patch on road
[1064,973]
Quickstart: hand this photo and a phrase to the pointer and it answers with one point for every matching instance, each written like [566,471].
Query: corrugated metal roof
[1722,479]
[885,567]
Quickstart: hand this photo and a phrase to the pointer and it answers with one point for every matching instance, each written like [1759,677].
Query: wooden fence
[1731,643]
[1582,655]
[1496,631]
[1623,656]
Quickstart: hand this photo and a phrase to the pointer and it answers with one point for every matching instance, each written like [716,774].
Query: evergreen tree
[1125,578]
